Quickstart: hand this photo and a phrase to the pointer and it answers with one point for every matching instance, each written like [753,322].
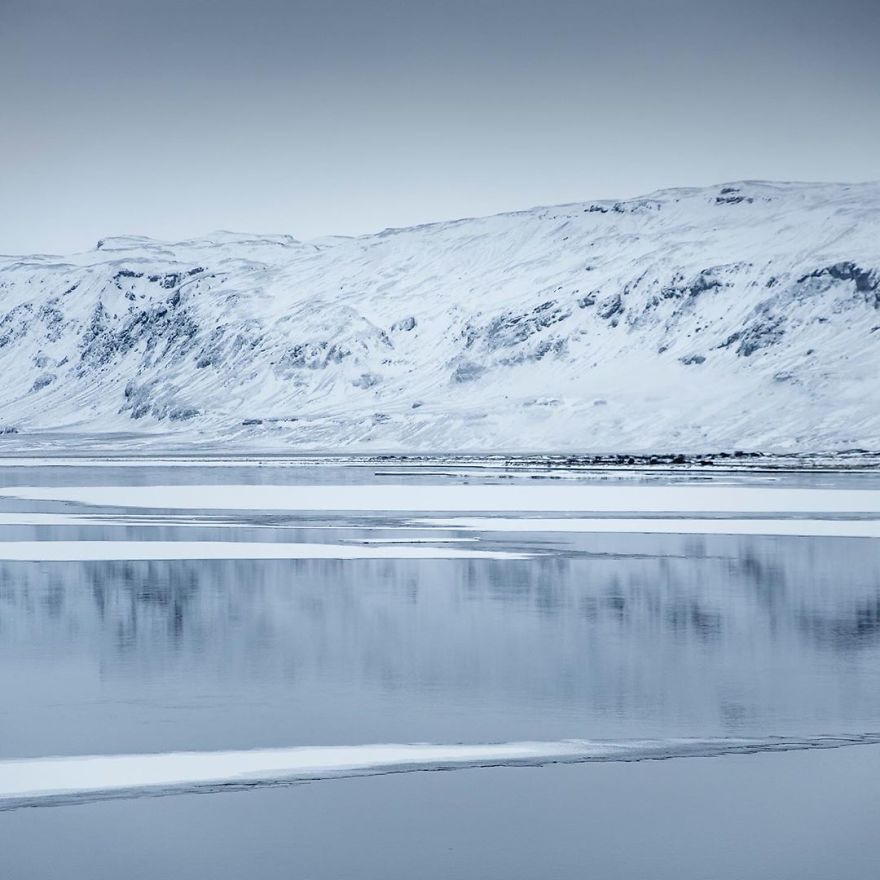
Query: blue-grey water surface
[594,636]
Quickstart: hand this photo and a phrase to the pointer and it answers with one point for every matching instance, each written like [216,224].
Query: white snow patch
[33,781]
[458,498]
[812,528]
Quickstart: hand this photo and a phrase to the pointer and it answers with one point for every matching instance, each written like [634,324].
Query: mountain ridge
[744,315]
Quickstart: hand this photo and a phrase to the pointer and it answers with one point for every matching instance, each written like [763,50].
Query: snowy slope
[745,315]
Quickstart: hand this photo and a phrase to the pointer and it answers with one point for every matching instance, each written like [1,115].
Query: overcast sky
[172,118]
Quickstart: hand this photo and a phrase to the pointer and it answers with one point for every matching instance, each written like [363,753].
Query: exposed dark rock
[182,413]
[151,399]
[867,281]
[467,371]
[610,306]
[366,380]
[164,329]
[588,300]
[712,278]
[636,206]
[406,324]
[730,195]
[313,356]
[706,280]
[15,323]
[42,381]
[538,352]
[53,320]
[762,333]
[511,329]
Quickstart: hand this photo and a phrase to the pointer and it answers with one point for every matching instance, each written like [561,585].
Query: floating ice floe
[67,780]
[577,498]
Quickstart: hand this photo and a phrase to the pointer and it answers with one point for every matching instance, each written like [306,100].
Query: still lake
[228,607]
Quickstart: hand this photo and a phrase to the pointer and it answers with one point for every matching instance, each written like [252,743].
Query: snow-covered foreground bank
[67,780]
[742,316]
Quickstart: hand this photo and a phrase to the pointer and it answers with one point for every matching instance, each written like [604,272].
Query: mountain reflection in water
[621,635]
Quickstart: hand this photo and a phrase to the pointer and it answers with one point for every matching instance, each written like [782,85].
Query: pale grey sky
[172,118]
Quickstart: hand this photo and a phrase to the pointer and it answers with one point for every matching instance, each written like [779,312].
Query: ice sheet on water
[68,780]
[579,498]
[796,527]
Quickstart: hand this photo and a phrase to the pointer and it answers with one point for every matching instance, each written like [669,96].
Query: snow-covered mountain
[738,316]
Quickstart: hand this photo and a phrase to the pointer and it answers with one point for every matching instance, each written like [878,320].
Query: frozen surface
[81,779]
[806,815]
[419,619]
[522,498]
[816,528]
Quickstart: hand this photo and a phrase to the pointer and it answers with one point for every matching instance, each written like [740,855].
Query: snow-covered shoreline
[672,465]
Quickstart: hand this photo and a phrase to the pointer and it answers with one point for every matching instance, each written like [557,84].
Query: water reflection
[618,636]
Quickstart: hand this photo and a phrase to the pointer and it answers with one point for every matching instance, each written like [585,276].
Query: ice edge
[29,782]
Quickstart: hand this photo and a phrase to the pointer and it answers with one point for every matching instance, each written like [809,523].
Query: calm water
[593,636]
